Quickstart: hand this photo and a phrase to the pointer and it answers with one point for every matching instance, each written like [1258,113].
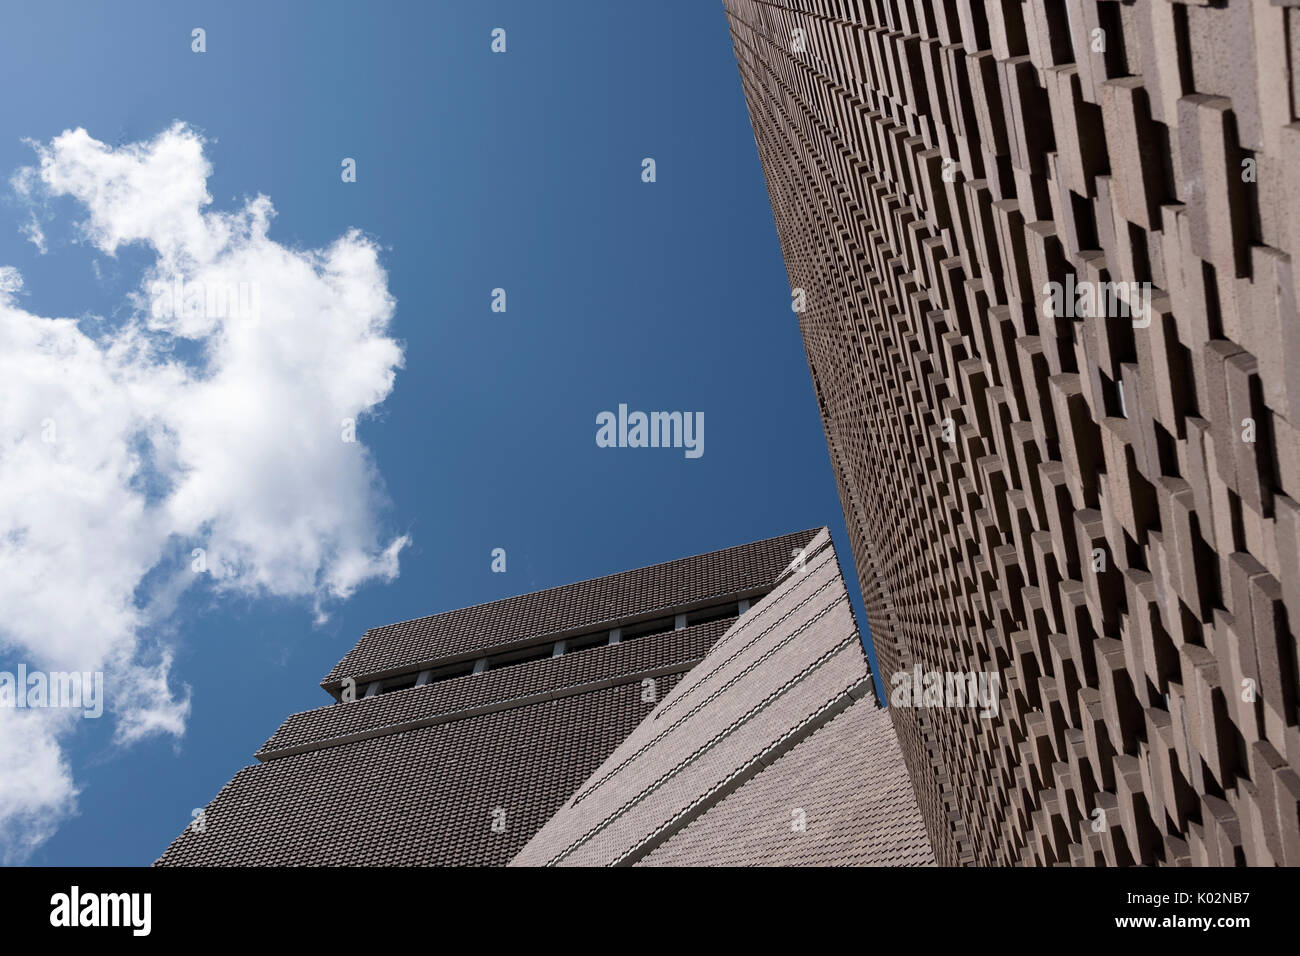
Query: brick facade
[1097,506]
[708,704]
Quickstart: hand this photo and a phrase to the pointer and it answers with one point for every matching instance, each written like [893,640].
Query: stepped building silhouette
[712,710]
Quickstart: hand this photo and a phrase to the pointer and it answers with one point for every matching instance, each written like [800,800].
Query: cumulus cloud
[129,474]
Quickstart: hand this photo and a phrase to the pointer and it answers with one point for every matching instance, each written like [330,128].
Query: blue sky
[475,171]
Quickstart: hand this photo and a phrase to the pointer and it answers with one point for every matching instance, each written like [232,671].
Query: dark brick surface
[420,776]
[424,797]
[567,674]
[606,601]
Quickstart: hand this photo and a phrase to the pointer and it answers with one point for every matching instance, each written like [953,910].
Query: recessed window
[450,671]
[535,653]
[406,681]
[646,628]
[599,639]
[709,614]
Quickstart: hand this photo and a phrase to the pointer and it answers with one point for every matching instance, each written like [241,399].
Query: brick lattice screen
[1095,504]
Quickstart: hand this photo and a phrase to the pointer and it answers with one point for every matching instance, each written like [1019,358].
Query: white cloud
[34,233]
[39,791]
[116,457]
[22,183]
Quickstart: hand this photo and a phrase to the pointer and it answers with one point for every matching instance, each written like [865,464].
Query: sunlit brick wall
[1089,496]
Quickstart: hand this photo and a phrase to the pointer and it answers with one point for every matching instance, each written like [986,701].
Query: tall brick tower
[711,710]
[1041,255]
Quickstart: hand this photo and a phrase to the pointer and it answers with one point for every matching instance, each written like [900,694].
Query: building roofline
[333,681]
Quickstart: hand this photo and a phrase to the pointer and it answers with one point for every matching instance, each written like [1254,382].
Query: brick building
[712,710]
[1093,499]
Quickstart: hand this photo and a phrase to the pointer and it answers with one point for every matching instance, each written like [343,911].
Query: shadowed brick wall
[1093,503]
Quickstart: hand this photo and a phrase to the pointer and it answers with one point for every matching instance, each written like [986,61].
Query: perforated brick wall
[1091,500]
